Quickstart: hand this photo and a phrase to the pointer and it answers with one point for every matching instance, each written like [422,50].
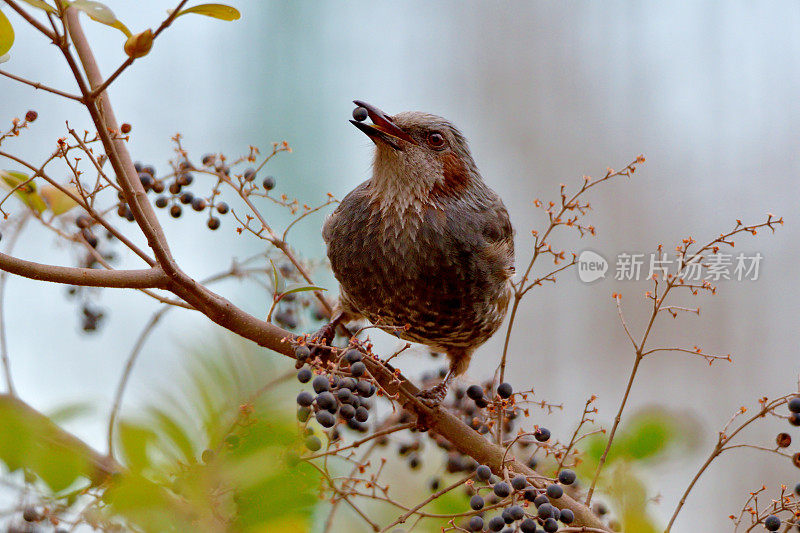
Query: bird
[424,244]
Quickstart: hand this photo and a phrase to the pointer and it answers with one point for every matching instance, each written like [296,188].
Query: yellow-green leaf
[122,27]
[56,200]
[96,10]
[6,34]
[4,58]
[217,11]
[101,13]
[24,189]
[41,4]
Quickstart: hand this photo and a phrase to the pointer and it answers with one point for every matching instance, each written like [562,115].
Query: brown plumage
[424,242]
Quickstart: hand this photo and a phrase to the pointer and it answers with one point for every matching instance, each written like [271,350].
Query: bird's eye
[436,139]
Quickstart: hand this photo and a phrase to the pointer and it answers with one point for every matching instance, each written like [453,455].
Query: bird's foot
[321,342]
[433,396]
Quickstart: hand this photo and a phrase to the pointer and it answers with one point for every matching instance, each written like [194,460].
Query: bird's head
[418,156]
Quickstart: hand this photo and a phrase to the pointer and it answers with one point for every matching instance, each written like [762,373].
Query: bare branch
[151,278]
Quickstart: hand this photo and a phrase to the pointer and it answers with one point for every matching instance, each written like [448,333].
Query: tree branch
[151,278]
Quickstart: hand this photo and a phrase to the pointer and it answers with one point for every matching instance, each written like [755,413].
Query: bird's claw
[324,335]
[433,396]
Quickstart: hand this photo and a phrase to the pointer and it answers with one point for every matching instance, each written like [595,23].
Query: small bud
[139,45]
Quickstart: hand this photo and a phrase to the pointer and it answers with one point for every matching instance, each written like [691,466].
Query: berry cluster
[173,192]
[529,508]
[341,395]
[91,317]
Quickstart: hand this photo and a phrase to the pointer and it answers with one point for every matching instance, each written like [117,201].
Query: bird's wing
[353,199]
[498,236]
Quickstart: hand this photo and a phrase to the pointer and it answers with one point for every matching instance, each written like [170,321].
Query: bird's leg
[325,335]
[435,395]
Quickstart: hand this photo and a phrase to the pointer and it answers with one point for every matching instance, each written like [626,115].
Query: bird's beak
[382,127]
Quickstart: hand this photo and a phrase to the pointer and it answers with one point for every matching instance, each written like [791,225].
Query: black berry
[175,211]
[344,395]
[305,398]
[566,477]
[476,503]
[358,369]
[352,356]
[550,525]
[475,523]
[567,516]
[186,198]
[347,411]
[502,489]
[302,353]
[555,491]
[772,523]
[474,392]
[83,221]
[516,512]
[528,526]
[304,375]
[213,223]
[360,114]
[794,404]
[250,174]
[146,180]
[268,183]
[325,400]
[546,510]
[362,414]
[483,473]
[540,500]
[325,419]
[496,523]
[161,202]
[519,482]
[504,390]
[222,208]
[542,434]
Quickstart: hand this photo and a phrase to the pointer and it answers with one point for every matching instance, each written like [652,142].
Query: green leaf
[32,441]
[6,34]
[177,435]
[41,4]
[302,288]
[101,13]
[16,181]
[217,11]
[134,442]
[277,280]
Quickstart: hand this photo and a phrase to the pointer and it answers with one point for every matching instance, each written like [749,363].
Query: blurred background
[545,93]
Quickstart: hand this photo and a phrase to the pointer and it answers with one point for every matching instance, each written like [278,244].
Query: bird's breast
[419,266]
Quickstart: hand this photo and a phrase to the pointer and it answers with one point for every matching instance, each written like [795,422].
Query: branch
[37,85]
[151,278]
